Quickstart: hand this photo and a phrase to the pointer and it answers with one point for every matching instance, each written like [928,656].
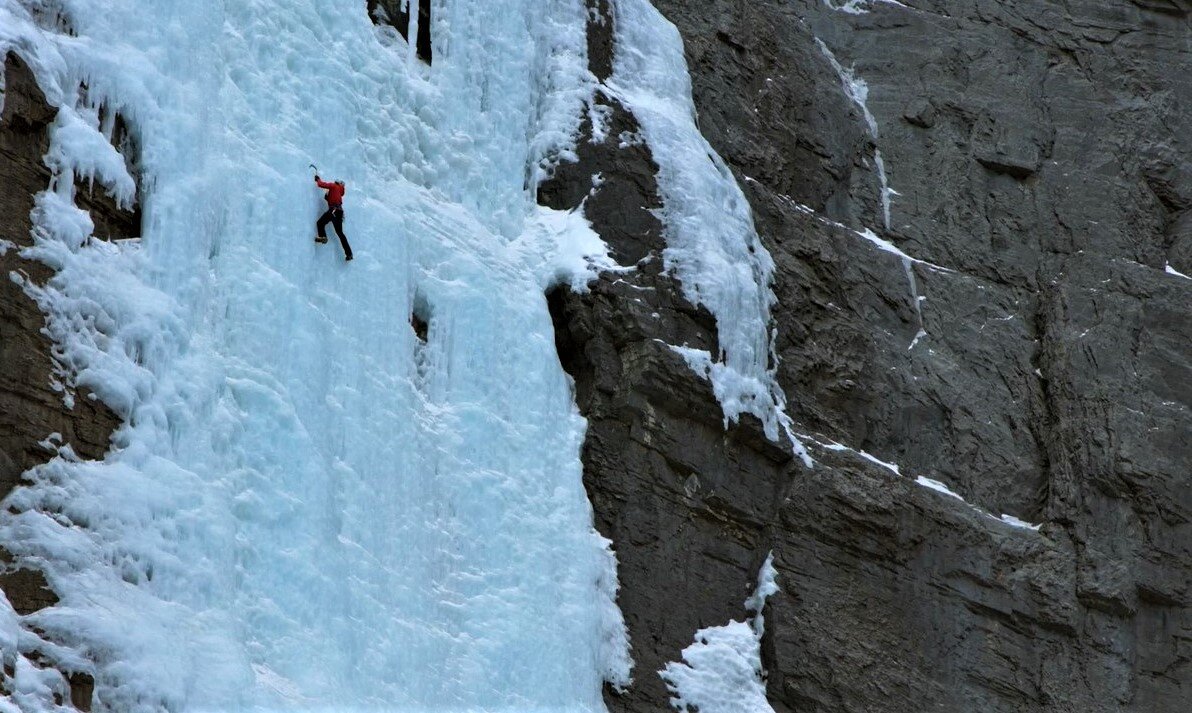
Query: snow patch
[722,671]
[937,486]
[575,254]
[1005,519]
[919,480]
[860,7]
[738,393]
[1015,522]
[767,584]
[615,661]
[892,467]
[1172,271]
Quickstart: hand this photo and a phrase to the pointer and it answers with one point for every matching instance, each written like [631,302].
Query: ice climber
[334,215]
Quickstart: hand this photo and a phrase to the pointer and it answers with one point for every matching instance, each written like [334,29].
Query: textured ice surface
[722,671]
[307,507]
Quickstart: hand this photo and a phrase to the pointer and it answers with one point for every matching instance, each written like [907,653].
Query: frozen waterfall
[308,507]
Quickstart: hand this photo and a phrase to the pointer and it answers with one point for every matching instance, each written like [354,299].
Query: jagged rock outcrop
[1028,347]
[32,406]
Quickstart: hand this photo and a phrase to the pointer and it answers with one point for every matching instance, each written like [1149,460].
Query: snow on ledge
[575,253]
[937,486]
[738,393]
[861,7]
[926,482]
[1010,520]
[1172,271]
[840,447]
[865,233]
[1015,522]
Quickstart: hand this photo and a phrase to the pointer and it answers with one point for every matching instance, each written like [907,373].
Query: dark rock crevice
[420,317]
[396,14]
[420,326]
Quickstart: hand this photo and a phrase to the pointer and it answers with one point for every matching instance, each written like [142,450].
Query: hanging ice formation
[721,671]
[307,506]
[858,91]
[712,244]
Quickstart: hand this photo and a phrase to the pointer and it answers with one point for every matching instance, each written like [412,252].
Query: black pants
[335,216]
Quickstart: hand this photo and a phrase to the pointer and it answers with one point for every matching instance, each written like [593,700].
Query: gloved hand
[316,176]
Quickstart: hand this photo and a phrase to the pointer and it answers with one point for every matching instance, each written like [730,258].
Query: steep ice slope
[307,506]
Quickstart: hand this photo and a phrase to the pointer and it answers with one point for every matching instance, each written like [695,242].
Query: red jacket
[335,193]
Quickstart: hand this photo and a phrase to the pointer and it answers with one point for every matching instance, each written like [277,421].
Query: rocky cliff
[39,411]
[1017,329]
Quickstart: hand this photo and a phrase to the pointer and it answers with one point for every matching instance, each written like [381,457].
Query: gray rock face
[1029,348]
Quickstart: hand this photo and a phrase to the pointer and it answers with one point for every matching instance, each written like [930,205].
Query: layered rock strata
[1018,332]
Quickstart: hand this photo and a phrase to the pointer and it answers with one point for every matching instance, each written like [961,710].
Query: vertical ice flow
[307,507]
[712,245]
[858,91]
